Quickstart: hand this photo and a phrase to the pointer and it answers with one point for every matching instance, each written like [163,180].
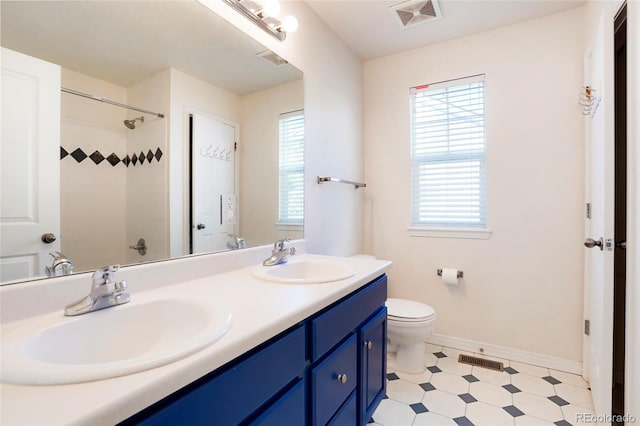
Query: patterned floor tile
[575,414]
[537,406]
[531,384]
[490,376]
[432,419]
[394,413]
[403,391]
[532,370]
[415,378]
[450,383]
[575,395]
[484,414]
[444,403]
[451,394]
[451,365]
[491,394]
[572,379]
[531,421]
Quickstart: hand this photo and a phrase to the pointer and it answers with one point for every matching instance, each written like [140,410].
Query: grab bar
[348,182]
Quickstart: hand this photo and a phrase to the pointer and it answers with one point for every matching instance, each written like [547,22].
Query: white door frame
[599,173]
[188,111]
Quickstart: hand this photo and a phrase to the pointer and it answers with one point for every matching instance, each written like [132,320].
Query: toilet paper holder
[460,273]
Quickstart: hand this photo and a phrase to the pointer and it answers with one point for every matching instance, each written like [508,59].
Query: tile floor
[450,393]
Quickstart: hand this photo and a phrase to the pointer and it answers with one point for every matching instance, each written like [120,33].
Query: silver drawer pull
[342,378]
[368,344]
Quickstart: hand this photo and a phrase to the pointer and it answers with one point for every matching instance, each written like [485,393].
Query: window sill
[468,233]
[281,226]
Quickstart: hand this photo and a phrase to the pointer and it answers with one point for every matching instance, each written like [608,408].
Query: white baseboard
[542,360]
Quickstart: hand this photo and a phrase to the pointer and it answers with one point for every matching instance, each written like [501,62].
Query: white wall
[259,171]
[188,95]
[333,124]
[147,182]
[522,288]
[92,230]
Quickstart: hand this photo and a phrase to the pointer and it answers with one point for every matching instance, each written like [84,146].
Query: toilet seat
[402,310]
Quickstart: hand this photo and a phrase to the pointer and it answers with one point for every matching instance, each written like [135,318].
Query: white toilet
[409,324]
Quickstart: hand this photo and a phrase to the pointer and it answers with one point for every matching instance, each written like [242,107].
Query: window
[291,160]
[448,157]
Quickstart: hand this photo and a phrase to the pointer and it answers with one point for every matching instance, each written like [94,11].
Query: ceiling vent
[272,58]
[414,12]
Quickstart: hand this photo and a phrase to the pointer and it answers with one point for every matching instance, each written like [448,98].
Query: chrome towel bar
[348,182]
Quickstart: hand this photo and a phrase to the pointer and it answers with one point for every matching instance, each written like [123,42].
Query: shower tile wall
[147,193]
[106,208]
[92,196]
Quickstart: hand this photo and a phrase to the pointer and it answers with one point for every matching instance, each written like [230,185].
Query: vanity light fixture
[264,13]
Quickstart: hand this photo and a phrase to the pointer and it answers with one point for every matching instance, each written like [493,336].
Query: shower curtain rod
[107,101]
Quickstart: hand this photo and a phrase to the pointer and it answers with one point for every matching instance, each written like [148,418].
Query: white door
[30,165]
[598,346]
[213,199]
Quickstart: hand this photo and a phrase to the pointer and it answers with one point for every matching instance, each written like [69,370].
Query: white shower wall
[147,183]
[105,208]
[92,196]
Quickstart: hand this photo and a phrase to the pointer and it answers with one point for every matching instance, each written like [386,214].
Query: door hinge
[588,210]
[235,146]
[587,327]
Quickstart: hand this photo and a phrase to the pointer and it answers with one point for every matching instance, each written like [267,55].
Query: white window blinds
[291,161]
[448,154]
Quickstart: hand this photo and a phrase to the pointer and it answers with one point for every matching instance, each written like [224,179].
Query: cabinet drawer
[330,327]
[328,392]
[236,393]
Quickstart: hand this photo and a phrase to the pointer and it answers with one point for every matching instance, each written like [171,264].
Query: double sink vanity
[213,339]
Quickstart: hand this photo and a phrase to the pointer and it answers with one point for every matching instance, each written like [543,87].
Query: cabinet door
[347,414]
[288,410]
[373,362]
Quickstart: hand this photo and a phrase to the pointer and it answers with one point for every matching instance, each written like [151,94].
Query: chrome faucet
[279,253]
[60,265]
[105,292]
[236,242]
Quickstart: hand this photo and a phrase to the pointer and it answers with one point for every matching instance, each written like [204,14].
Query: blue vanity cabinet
[373,360]
[346,326]
[232,394]
[327,370]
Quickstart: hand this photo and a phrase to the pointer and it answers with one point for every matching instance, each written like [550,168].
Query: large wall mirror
[221,169]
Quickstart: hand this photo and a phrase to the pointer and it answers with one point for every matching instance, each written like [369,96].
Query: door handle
[591,243]
[622,245]
[48,238]
[201,226]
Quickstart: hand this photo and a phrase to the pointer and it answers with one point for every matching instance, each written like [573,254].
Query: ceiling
[371,30]
[125,42]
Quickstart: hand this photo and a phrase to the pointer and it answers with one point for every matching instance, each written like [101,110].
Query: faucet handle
[279,244]
[104,275]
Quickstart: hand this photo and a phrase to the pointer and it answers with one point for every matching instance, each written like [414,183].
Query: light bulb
[290,24]
[271,8]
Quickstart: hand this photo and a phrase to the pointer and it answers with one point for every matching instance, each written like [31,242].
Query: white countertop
[260,310]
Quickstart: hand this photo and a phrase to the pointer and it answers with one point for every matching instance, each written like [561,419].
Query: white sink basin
[126,339]
[305,271]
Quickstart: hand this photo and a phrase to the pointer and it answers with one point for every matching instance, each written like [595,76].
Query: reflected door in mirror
[30,165]
[213,199]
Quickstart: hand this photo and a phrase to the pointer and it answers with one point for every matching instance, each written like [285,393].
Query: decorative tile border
[134,159]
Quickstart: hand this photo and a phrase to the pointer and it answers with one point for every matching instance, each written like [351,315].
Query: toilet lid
[408,310]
